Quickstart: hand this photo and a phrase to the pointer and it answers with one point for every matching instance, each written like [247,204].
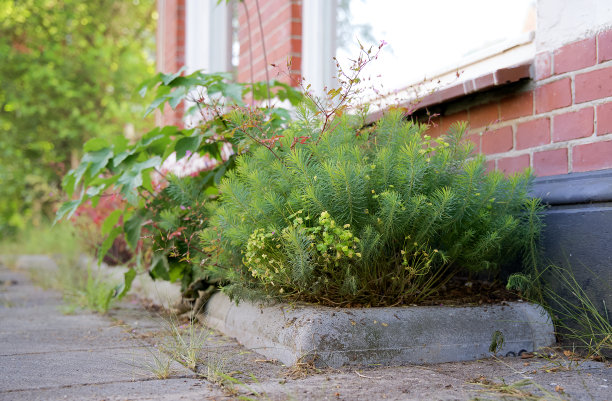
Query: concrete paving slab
[112,373]
[386,336]
[170,389]
[44,262]
[14,342]
[36,371]
[47,317]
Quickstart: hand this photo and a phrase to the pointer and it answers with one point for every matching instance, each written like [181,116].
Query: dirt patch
[465,291]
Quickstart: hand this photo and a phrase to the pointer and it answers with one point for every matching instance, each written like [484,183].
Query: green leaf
[147,182]
[111,221]
[93,191]
[123,288]
[233,91]
[117,160]
[159,267]
[69,182]
[67,209]
[157,103]
[98,160]
[168,78]
[177,97]
[190,143]
[149,83]
[95,144]
[77,174]
[219,173]
[132,229]
[152,162]
[108,242]
[132,178]
[120,144]
[175,272]
[129,180]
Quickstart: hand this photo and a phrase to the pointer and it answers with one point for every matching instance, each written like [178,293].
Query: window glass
[426,38]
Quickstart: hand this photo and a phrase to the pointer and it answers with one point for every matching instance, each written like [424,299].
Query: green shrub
[376,218]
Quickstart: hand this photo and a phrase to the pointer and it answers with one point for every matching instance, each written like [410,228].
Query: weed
[304,367]
[92,291]
[576,317]
[185,342]
[519,390]
[160,366]
[231,385]
[60,239]
[81,288]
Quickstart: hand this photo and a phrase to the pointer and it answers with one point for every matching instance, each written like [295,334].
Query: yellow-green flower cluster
[260,256]
[333,241]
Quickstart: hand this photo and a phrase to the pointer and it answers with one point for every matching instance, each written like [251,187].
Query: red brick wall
[563,124]
[282,30]
[171,49]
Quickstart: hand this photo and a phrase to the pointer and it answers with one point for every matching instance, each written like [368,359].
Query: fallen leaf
[558,389]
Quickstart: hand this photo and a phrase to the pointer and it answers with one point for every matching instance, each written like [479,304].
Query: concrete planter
[386,336]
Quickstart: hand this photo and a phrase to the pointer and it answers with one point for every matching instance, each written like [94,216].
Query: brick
[573,125]
[448,120]
[533,133]
[434,129]
[550,162]
[445,94]
[490,166]
[468,86]
[484,115]
[296,10]
[604,119]
[512,74]
[604,45]
[554,95]
[475,139]
[593,85]
[296,28]
[516,106]
[296,45]
[484,81]
[509,165]
[592,156]
[543,65]
[575,56]
[497,141]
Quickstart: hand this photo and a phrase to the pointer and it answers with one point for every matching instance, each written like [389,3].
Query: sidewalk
[48,355]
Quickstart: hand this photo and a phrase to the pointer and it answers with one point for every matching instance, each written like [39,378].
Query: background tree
[69,71]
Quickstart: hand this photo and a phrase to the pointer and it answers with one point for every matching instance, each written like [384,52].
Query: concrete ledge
[387,336]
[574,188]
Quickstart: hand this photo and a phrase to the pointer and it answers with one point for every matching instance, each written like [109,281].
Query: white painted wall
[319,43]
[563,21]
[208,42]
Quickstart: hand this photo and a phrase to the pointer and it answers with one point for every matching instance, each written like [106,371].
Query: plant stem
[263,45]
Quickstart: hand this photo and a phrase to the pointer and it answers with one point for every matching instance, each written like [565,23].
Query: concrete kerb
[349,336]
[383,336]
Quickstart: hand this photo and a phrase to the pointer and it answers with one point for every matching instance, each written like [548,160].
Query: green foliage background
[69,71]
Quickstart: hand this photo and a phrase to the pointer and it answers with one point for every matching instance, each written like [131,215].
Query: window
[436,39]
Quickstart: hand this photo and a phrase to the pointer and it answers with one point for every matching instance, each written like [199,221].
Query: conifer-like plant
[372,217]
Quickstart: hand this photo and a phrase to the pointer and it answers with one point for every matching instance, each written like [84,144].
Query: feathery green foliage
[377,218]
